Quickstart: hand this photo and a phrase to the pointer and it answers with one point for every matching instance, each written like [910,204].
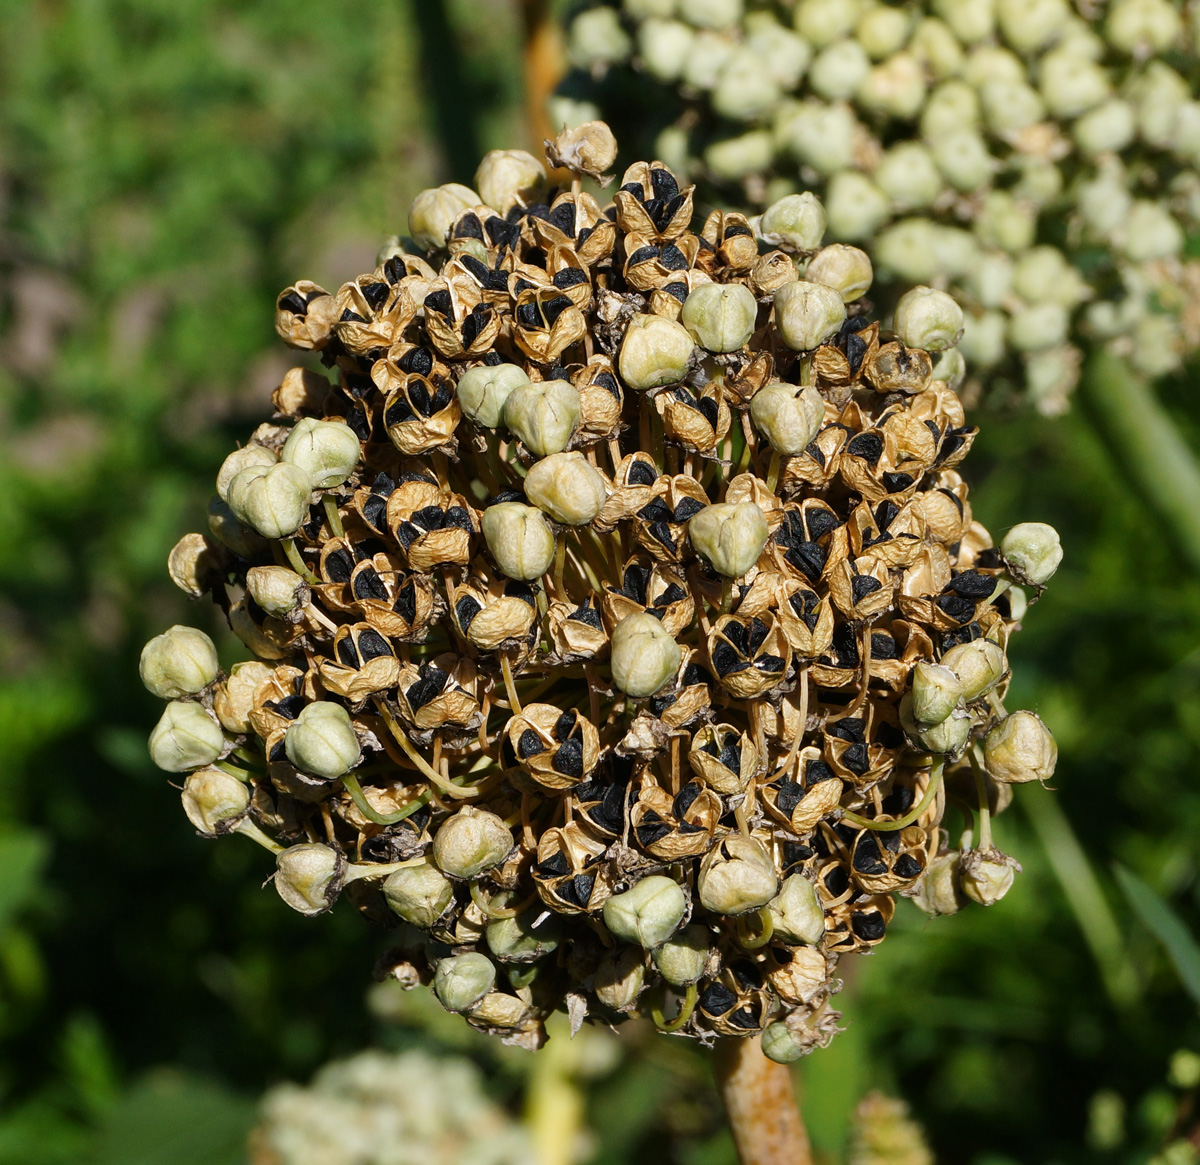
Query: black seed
[554,866]
[530,744]
[684,799]
[716,999]
[688,508]
[338,565]
[869,926]
[862,585]
[406,602]
[428,688]
[866,856]
[883,646]
[568,760]
[553,308]
[787,796]
[906,867]
[293,301]
[372,645]
[367,584]
[465,611]
[347,653]
[440,302]
[569,277]
[587,614]
[817,771]
[868,446]
[642,473]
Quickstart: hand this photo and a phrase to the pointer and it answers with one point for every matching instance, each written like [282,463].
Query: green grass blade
[1156,915]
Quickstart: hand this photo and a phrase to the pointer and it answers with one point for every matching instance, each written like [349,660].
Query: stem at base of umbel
[761,1104]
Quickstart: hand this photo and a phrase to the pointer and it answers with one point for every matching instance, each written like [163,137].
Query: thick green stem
[1142,435]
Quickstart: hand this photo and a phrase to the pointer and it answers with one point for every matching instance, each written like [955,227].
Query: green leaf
[22,856]
[1157,916]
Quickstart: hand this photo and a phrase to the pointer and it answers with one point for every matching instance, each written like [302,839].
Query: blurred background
[166,166]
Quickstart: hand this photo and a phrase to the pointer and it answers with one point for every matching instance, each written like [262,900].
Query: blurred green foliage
[166,167]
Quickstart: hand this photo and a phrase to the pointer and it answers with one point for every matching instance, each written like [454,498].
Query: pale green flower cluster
[1039,159]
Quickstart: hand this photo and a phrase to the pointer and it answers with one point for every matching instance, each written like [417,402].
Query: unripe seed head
[807,314]
[720,316]
[214,801]
[1020,748]
[326,450]
[309,877]
[846,269]
[185,737]
[938,891]
[241,459]
[936,692]
[796,222]
[985,876]
[567,487]
[928,319]
[620,977]
[179,662]
[681,960]
[483,391]
[788,416]
[544,415]
[978,665]
[645,655]
[461,981]
[273,501]
[654,352]
[433,212]
[1033,552]
[729,536]
[796,912]
[519,539]
[233,699]
[418,894]
[648,913]
[277,589]
[737,876]
[471,841]
[508,178]
[321,741]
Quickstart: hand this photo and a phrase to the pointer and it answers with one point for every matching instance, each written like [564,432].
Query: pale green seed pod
[233,700]
[648,913]
[780,1044]
[938,891]
[844,268]
[1071,84]
[821,136]
[471,841]
[963,158]
[461,981]
[1010,106]
[856,207]
[681,960]
[1030,25]
[433,212]
[710,51]
[185,737]
[992,63]
[745,91]
[807,314]
[729,536]
[797,916]
[1142,27]
[273,500]
[508,178]
[484,389]
[1149,232]
[641,10]
[1019,749]
[1104,202]
[544,415]
[732,159]
[523,938]
[712,14]
[1005,223]
[955,250]
[785,55]
[214,801]
[238,460]
[821,22]
[674,149]
[720,316]
[597,39]
[908,175]
[937,48]
[950,736]
[180,662]
[788,416]
[310,877]
[645,655]
[654,352]
[970,20]
[736,876]
[1038,326]
[838,70]
[664,47]
[882,31]
[619,978]
[226,529]
[1158,93]
[894,88]
[321,741]
[566,111]
[950,366]
[326,450]
[795,223]
[952,108]
[519,539]
[936,692]
[1033,552]
[985,876]
[277,589]
[1045,273]
[983,340]
[418,894]
[978,664]
[1050,378]
[909,250]
[567,487]
[929,319]
[991,280]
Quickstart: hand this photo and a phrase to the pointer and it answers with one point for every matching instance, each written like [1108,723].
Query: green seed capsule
[310,877]
[519,539]
[928,319]
[654,352]
[471,841]
[461,981]
[272,500]
[214,801]
[185,737]
[433,212]
[321,741]
[721,316]
[737,876]
[326,450]
[648,913]
[729,536]
[1019,749]
[544,415]
[681,960]
[418,894]
[807,314]
[483,391]
[788,416]
[1033,552]
[645,655]
[180,662]
[796,912]
[567,487]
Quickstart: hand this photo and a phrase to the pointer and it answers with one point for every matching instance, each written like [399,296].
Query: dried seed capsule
[326,450]
[681,960]
[310,877]
[736,876]
[795,223]
[654,351]
[321,741]
[729,536]
[214,801]
[720,316]
[519,539]
[620,977]
[508,178]
[807,314]
[483,390]
[986,875]
[233,699]
[238,460]
[418,894]
[928,319]
[277,589]
[434,211]
[1032,551]
[979,666]
[649,913]
[645,656]
[781,1044]
[193,564]
[936,692]
[846,269]
[938,891]
[185,737]
[272,500]
[568,487]
[788,416]
[588,148]
[544,415]
[180,662]
[461,981]
[796,912]
[1020,748]
[471,841]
